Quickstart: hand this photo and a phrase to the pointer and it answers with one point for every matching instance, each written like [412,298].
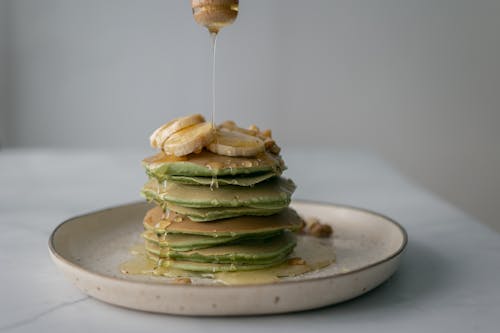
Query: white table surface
[448,280]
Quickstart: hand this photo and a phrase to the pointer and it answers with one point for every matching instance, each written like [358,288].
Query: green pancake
[273,193]
[286,219]
[201,267]
[248,252]
[215,181]
[208,164]
[183,242]
[218,213]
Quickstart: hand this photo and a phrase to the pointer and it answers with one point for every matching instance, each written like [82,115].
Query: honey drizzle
[213,44]
[214,183]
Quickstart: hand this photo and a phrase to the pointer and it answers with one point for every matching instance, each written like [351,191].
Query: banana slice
[190,139]
[161,134]
[266,135]
[235,143]
[231,126]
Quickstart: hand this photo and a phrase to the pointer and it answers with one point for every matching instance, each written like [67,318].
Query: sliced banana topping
[189,140]
[235,143]
[266,135]
[185,135]
[231,126]
[160,135]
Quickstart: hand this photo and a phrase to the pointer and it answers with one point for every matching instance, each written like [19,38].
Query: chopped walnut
[317,229]
[275,149]
[254,128]
[268,143]
[266,134]
[271,146]
[182,281]
[320,230]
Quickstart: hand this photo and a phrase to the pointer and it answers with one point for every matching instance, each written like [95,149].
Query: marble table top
[448,280]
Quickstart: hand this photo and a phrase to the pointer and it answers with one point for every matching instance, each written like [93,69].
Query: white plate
[90,248]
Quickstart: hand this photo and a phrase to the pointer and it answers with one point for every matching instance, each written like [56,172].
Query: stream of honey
[213,44]
[214,15]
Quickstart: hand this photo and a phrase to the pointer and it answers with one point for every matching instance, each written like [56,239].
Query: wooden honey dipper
[214,14]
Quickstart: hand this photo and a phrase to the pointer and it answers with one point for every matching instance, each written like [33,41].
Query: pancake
[222,210]
[184,242]
[202,267]
[217,213]
[215,181]
[275,193]
[287,219]
[267,251]
[208,164]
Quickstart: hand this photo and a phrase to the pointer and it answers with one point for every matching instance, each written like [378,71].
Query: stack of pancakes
[218,213]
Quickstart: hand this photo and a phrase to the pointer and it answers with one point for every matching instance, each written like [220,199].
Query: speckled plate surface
[89,249]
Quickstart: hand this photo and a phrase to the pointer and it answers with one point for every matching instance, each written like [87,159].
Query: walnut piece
[267,134]
[317,229]
[182,281]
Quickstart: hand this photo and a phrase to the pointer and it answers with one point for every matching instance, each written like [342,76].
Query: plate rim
[395,254]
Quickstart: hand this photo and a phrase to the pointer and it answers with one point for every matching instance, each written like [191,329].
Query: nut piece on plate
[317,229]
[182,281]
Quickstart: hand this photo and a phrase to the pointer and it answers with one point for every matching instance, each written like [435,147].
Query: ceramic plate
[90,248]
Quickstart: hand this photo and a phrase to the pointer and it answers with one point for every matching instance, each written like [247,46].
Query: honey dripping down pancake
[221,209]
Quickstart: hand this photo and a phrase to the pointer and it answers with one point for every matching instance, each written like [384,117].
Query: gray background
[417,82]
